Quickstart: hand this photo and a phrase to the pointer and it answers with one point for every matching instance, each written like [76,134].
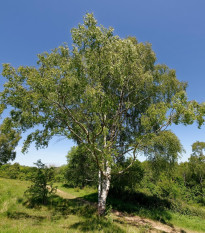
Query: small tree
[42,185]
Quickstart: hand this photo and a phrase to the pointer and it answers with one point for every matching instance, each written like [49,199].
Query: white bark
[99,185]
[103,188]
[103,182]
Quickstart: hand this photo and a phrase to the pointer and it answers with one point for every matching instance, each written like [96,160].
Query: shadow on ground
[89,221]
[137,203]
[23,215]
[85,208]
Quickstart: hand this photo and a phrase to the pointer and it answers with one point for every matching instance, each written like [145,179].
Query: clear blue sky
[174,28]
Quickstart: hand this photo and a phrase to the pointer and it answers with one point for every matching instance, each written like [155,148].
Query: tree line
[178,181]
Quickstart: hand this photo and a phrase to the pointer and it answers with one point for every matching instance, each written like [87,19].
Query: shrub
[42,185]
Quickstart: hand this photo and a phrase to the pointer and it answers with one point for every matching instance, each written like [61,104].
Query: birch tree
[106,93]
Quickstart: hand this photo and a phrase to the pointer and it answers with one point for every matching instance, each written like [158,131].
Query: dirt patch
[64,194]
[153,226]
[70,196]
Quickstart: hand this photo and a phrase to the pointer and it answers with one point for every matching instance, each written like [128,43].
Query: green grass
[193,223]
[187,220]
[61,215]
[76,192]
[73,215]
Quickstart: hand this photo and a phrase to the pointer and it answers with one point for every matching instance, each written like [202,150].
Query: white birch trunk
[103,188]
[103,182]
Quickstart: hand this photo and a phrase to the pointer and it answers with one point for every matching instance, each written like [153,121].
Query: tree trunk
[103,182]
[103,188]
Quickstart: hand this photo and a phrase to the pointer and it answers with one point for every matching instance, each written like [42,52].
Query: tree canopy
[106,93]
[198,148]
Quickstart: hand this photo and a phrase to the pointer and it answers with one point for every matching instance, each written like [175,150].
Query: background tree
[106,93]
[10,171]
[9,139]
[81,170]
[198,149]
[196,170]
[60,174]
[129,180]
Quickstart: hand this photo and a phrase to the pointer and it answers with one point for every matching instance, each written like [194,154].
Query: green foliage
[60,174]
[42,185]
[104,86]
[107,94]
[10,171]
[196,171]
[130,179]
[17,171]
[81,170]
[9,139]
[198,148]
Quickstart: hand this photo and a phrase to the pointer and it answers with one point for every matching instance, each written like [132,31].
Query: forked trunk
[103,188]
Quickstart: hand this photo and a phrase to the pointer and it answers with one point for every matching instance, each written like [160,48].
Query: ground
[70,211]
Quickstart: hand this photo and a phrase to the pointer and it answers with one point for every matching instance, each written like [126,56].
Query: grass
[76,192]
[192,223]
[70,214]
[61,215]
[188,217]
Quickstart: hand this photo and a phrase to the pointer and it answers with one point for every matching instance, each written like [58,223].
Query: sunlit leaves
[106,93]
[9,139]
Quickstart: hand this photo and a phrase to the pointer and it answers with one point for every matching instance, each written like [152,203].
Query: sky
[174,28]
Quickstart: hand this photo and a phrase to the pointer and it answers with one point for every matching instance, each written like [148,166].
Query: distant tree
[60,174]
[26,172]
[198,149]
[197,168]
[162,153]
[14,171]
[130,179]
[106,93]
[10,171]
[81,169]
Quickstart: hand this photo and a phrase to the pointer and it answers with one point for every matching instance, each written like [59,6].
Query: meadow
[61,215]
[74,210]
